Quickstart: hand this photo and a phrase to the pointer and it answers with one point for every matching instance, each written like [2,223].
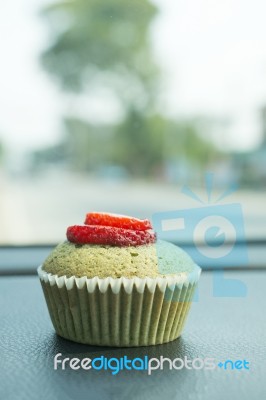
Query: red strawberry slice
[118,221]
[108,235]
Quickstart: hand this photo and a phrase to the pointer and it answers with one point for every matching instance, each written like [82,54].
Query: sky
[213,54]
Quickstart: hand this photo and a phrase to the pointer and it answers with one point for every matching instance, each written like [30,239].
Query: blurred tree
[106,44]
[144,143]
[38,159]
[103,43]
[138,143]
[87,146]
[184,139]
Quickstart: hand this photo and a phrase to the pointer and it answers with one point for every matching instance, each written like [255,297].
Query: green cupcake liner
[119,312]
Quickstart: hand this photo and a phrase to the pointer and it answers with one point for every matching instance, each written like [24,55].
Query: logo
[214,234]
[147,364]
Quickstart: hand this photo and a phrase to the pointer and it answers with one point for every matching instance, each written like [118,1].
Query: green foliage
[106,44]
[144,144]
[87,146]
[138,143]
[39,159]
[103,43]
[184,139]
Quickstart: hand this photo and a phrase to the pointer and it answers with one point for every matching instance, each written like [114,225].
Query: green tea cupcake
[105,286]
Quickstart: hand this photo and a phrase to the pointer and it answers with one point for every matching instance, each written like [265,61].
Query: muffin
[112,283]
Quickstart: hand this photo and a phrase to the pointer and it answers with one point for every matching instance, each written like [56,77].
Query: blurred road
[38,210]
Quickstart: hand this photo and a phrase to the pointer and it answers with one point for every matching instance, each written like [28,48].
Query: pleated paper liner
[119,312]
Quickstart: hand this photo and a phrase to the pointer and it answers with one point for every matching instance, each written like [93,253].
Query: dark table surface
[220,328]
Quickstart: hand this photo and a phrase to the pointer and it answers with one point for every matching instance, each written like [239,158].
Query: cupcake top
[116,246]
[150,260]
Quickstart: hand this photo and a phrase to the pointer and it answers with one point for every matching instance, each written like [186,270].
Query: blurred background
[116,105]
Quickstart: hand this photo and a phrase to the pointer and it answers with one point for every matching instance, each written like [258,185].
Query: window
[117,105]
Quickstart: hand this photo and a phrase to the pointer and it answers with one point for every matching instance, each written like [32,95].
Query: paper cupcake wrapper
[119,312]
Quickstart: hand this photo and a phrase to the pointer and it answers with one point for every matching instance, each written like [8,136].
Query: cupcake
[112,283]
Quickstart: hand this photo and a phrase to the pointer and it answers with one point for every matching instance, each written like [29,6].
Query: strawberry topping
[109,235]
[117,221]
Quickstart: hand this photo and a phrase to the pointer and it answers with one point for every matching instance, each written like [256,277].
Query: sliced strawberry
[118,221]
[108,235]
